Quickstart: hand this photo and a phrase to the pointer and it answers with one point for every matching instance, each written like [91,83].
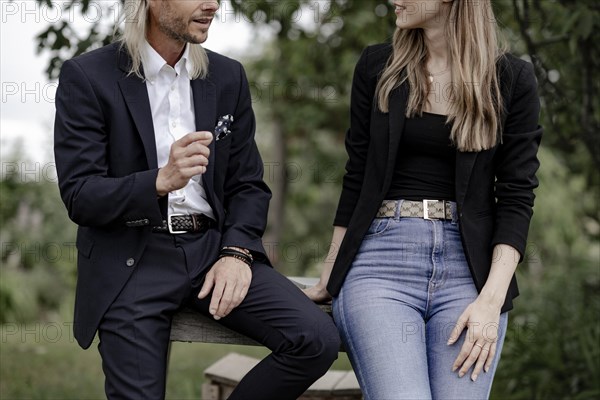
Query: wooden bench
[221,377]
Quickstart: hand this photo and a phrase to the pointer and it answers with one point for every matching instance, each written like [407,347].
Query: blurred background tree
[38,243]
[301,81]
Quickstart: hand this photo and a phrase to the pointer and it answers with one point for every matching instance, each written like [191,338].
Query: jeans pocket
[378,226]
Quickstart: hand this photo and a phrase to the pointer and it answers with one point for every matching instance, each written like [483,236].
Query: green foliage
[552,349]
[38,249]
[563,41]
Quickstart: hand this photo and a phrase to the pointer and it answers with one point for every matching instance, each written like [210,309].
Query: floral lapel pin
[223,128]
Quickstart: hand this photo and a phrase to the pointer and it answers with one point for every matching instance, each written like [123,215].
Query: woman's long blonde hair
[135,15]
[475,97]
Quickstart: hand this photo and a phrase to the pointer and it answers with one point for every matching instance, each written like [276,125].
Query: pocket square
[223,128]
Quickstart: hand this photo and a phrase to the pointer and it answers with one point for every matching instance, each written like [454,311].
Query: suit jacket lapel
[205,110]
[136,97]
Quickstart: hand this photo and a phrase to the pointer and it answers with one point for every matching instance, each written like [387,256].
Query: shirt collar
[153,62]
[185,61]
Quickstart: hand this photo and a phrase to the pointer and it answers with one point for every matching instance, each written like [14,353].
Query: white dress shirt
[173,116]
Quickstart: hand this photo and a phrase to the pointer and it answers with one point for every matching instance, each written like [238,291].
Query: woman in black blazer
[436,204]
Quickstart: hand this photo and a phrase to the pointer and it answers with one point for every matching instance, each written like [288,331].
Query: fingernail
[217,318]
[454,369]
[212,311]
[461,374]
[474,377]
[486,369]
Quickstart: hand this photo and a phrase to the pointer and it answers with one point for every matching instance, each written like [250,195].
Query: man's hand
[230,279]
[188,157]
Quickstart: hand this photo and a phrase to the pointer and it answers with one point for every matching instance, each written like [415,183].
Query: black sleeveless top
[425,165]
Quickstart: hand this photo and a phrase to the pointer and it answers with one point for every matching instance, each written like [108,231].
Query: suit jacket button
[130,262]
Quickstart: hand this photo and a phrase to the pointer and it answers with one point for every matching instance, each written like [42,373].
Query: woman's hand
[318,293]
[481,319]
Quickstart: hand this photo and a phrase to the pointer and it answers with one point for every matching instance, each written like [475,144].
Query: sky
[27,96]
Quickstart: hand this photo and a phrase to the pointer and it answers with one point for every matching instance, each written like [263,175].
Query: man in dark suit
[157,164]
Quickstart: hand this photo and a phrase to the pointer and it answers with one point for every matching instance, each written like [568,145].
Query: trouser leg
[134,333]
[303,339]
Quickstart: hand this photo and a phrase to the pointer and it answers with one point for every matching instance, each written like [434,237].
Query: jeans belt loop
[398,209]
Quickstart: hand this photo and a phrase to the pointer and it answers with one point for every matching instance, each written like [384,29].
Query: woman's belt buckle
[426,209]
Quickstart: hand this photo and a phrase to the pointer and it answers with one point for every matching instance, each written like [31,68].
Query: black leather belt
[181,223]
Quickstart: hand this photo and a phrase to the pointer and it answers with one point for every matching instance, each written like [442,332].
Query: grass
[43,361]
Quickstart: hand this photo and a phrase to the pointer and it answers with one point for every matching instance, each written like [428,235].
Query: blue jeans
[408,285]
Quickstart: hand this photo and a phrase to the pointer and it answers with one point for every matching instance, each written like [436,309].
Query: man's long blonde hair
[475,97]
[135,16]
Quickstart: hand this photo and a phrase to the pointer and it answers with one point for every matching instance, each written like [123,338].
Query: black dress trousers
[134,333]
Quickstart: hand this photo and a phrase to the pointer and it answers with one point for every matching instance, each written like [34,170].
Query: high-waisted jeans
[408,285]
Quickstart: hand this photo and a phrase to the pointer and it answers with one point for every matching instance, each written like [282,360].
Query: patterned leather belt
[180,223]
[426,209]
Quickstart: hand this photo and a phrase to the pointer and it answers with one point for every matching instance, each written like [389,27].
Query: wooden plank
[210,392]
[230,369]
[190,326]
[303,282]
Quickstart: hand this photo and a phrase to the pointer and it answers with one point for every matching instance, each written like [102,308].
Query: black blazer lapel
[136,97]
[396,116]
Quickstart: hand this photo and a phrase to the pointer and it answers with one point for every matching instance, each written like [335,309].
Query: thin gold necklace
[430,75]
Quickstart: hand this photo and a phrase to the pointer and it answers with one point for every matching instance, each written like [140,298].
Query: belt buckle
[170,224]
[426,210]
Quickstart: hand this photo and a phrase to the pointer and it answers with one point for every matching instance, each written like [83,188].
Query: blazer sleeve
[92,197]
[357,141]
[516,164]
[246,194]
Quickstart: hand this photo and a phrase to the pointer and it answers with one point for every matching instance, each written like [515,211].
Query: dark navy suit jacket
[494,188]
[107,166]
